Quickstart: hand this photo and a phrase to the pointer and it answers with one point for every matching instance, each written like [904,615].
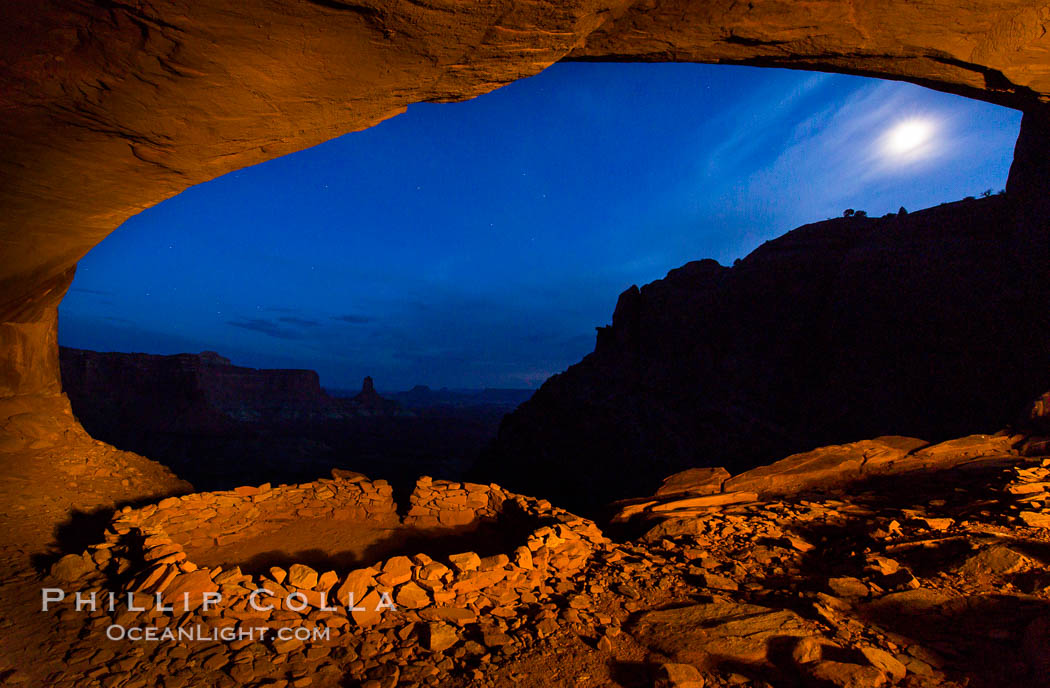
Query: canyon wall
[190,392]
[219,425]
[109,108]
[932,324]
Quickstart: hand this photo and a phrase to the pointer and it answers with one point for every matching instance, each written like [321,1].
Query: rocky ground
[59,487]
[931,578]
[929,572]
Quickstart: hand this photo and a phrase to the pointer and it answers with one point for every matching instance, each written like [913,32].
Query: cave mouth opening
[474,245]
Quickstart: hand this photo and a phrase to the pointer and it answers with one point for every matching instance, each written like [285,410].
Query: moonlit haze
[911,139]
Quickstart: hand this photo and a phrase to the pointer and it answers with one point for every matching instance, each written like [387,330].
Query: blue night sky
[479,244]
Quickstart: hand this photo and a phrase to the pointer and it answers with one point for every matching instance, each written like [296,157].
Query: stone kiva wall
[462,606]
[220,518]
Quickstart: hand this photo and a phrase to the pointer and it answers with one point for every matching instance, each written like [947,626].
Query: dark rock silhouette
[222,425]
[930,324]
[191,391]
[369,401]
[1037,417]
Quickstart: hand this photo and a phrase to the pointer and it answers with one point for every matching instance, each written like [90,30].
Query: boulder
[694,481]
[344,474]
[439,636]
[356,585]
[301,576]
[704,501]
[411,596]
[671,675]
[847,674]
[848,587]
[951,452]
[807,649]
[72,568]
[918,606]
[1037,416]
[466,561]
[995,560]
[707,635]
[187,589]
[829,466]
[1035,519]
[884,661]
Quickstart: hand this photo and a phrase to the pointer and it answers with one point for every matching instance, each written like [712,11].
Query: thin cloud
[355,319]
[750,126]
[266,327]
[299,322]
[840,151]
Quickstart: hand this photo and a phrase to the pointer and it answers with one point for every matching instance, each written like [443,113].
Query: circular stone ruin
[342,524]
[327,555]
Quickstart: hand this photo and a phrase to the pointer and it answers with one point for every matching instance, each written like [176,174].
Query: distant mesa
[213,358]
[200,393]
[369,401]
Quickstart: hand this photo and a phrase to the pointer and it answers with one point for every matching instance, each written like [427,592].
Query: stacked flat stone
[1031,490]
[437,503]
[437,603]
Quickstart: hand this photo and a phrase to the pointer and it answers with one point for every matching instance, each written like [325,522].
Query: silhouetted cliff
[930,325]
[198,392]
[221,425]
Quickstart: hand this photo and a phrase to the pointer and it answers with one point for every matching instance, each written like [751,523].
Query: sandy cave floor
[326,544]
[53,501]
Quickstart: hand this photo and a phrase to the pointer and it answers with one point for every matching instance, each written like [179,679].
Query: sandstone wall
[29,340]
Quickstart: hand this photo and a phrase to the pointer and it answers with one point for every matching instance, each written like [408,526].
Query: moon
[909,140]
